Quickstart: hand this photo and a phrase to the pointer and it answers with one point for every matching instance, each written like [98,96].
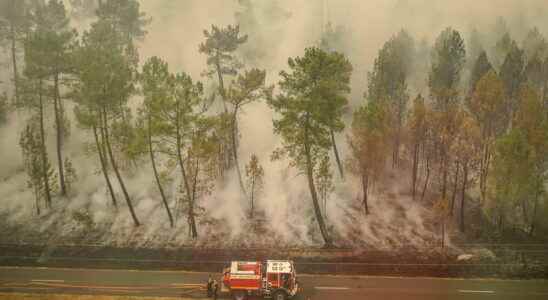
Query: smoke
[277,30]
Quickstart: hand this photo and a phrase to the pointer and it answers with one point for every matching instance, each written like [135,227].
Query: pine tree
[312,96]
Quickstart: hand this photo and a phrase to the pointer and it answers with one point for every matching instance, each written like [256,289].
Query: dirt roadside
[17,296]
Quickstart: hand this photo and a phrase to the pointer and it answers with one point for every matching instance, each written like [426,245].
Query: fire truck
[276,279]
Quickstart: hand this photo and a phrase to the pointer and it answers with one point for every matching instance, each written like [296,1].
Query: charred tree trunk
[313,193]
[463,195]
[336,152]
[100,151]
[179,146]
[43,151]
[454,194]
[426,179]
[59,130]
[365,190]
[116,171]
[156,175]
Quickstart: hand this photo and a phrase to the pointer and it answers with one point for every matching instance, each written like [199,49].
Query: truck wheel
[279,295]
[239,295]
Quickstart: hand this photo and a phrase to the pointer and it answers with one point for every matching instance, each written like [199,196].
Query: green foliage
[37,168]
[534,44]
[311,103]
[388,80]
[487,105]
[535,74]
[247,88]
[105,74]
[50,42]
[324,180]
[481,67]
[520,166]
[255,179]
[417,121]
[511,73]
[448,58]
[368,142]
[309,107]
[125,17]
[14,14]
[219,47]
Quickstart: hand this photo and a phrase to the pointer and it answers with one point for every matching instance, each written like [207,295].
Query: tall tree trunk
[396,146]
[484,172]
[426,179]
[191,219]
[156,175]
[228,154]
[116,171]
[100,151]
[454,194]
[234,137]
[43,150]
[37,199]
[194,185]
[14,62]
[252,196]
[59,129]
[444,177]
[534,217]
[443,233]
[487,168]
[336,152]
[365,191]
[221,82]
[415,170]
[313,193]
[463,195]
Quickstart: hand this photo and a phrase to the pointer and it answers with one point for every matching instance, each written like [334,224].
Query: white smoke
[174,34]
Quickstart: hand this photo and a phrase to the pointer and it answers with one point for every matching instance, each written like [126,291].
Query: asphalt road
[185,284]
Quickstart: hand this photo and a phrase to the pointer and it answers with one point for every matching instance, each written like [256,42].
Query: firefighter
[215,289]
[209,286]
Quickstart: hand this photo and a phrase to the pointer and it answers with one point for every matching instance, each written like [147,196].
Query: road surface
[185,284]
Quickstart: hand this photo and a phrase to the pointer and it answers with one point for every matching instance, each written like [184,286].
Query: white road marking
[46,280]
[472,291]
[335,288]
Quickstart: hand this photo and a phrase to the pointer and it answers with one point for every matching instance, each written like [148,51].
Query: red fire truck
[276,279]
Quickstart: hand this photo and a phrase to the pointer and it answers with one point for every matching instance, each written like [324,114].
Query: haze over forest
[281,122]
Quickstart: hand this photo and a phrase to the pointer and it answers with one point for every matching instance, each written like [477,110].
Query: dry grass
[18,296]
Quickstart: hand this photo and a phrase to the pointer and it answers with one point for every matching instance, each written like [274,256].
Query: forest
[449,136]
